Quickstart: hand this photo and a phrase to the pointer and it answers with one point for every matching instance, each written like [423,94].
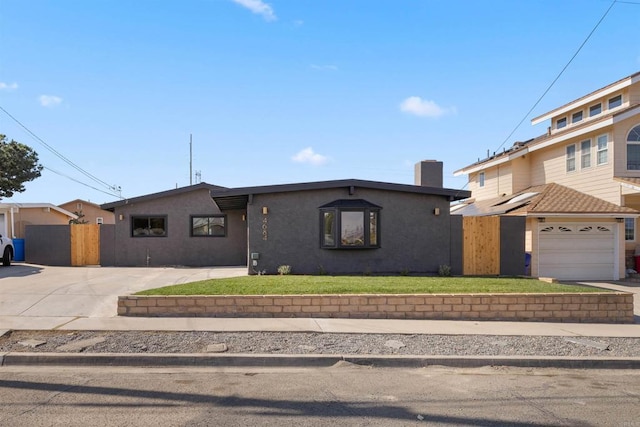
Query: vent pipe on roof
[428,173]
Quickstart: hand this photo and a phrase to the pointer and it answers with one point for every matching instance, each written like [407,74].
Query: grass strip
[303,285]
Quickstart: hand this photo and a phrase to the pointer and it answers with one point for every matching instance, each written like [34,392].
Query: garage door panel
[577,251]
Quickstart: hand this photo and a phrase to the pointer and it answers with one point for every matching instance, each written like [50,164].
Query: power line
[559,75]
[113,188]
[79,182]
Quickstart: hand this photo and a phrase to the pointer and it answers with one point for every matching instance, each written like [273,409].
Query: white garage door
[577,251]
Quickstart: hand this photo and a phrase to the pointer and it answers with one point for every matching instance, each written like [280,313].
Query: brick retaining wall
[605,307]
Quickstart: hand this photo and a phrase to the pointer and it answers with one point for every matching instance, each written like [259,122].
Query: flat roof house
[578,185]
[332,227]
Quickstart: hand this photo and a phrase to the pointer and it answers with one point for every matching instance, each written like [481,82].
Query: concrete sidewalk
[378,326]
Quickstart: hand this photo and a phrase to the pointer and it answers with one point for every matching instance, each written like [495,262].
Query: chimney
[428,173]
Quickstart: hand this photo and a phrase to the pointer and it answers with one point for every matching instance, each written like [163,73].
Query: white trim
[582,215]
[593,97]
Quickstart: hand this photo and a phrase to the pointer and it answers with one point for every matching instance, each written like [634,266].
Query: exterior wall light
[265,210]
[436,211]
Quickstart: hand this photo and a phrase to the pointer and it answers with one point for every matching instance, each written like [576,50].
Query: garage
[578,251]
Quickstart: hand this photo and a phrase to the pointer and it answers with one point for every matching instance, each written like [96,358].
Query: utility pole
[190,159]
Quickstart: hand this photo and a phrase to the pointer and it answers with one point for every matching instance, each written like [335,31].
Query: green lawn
[292,284]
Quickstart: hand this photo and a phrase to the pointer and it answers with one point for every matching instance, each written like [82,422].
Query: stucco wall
[178,247]
[48,245]
[412,238]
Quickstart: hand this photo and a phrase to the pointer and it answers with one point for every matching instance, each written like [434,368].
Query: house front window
[633,149]
[585,154]
[350,224]
[571,158]
[594,110]
[629,229]
[149,226]
[481,179]
[208,226]
[603,142]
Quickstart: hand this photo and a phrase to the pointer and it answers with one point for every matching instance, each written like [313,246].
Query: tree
[18,164]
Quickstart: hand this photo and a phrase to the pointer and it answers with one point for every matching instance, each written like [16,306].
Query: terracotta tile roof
[544,199]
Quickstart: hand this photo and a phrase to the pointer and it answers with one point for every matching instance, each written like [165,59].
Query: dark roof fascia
[168,193]
[452,194]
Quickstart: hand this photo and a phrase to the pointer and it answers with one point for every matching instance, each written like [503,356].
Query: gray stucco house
[332,227]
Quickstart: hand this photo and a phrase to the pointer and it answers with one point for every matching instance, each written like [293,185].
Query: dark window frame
[335,233]
[224,226]
[148,226]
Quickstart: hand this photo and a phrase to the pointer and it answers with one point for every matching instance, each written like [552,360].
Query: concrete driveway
[36,292]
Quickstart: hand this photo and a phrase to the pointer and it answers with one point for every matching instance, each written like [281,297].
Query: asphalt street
[343,394]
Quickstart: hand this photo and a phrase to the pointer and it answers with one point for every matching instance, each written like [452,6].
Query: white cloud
[298,23]
[50,100]
[8,86]
[309,156]
[324,67]
[259,8]
[424,108]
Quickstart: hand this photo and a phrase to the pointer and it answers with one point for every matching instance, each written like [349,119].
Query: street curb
[309,361]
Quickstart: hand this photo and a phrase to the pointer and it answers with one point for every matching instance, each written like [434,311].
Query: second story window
[633,149]
[614,102]
[561,123]
[571,158]
[603,142]
[481,179]
[576,117]
[585,154]
[594,110]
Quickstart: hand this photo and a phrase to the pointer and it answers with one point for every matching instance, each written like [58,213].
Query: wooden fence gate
[85,244]
[481,245]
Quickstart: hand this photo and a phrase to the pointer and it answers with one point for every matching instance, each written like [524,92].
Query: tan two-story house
[578,185]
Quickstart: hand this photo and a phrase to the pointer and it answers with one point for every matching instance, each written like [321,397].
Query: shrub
[283,270]
[444,270]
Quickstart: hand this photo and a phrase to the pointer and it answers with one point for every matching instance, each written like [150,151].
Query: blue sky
[283,91]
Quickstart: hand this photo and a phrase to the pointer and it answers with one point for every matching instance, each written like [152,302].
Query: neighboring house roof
[39,205]
[521,148]
[545,200]
[84,202]
[111,206]
[237,198]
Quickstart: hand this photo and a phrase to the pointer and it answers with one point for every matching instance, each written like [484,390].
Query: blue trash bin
[18,249]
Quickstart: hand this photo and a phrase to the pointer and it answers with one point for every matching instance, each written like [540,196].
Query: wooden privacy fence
[481,245]
[85,244]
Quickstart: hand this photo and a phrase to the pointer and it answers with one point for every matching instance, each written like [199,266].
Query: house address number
[265,231]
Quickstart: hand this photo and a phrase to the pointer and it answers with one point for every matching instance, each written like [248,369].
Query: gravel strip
[320,343]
